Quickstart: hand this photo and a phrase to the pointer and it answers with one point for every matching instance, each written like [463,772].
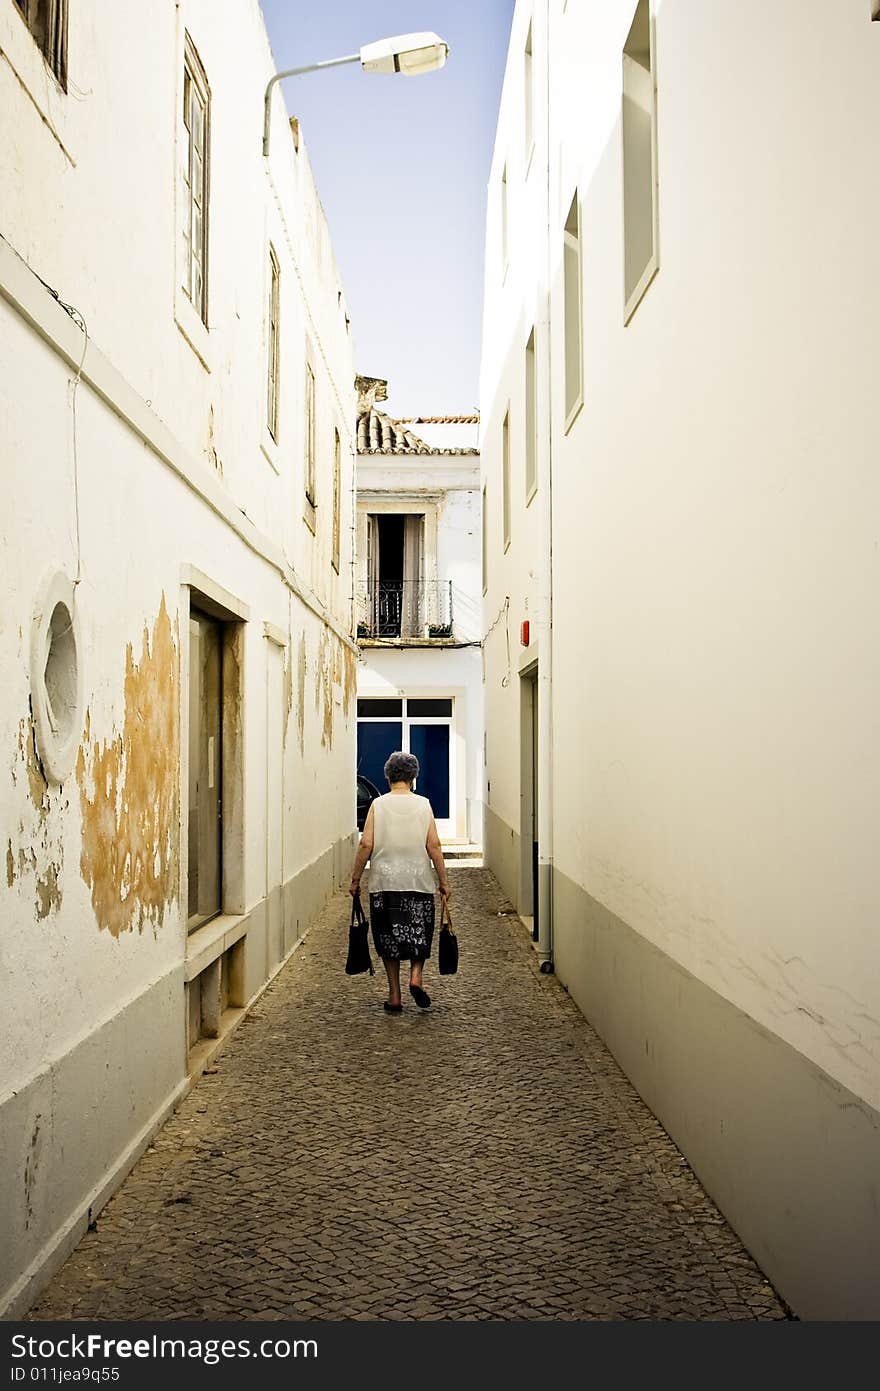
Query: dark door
[535,810]
[205,769]
[430,744]
[376,739]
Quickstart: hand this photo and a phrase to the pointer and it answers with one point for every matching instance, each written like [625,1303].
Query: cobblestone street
[483,1159]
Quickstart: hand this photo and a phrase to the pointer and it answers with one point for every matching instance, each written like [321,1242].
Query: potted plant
[439,630]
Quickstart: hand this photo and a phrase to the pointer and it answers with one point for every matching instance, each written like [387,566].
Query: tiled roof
[439,420]
[377,433]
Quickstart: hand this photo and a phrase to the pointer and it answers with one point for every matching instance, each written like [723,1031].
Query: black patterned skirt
[403,925]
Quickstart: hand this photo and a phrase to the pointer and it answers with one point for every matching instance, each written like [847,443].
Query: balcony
[409,612]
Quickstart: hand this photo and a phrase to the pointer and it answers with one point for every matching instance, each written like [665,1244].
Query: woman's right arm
[432,845]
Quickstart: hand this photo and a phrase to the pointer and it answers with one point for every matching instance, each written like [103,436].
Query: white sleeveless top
[400,862]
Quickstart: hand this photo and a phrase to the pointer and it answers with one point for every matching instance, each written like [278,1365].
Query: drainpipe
[545,593]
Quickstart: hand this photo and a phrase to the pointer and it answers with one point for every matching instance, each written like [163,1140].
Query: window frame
[53,44]
[505,229]
[632,300]
[273,345]
[310,442]
[195,81]
[505,481]
[337,498]
[529,97]
[530,411]
[573,247]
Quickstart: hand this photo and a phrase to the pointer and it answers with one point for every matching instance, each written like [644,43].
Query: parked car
[366,793]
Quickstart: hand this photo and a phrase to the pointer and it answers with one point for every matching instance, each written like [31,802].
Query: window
[529,97]
[311,429]
[572,312]
[485,547]
[47,21]
[196,110]
[398,602]
[274,309]
[337,497]
[505,479]
[504,221]
[531,420]
[56,670]
[639,126]
[437,708]
[377,708]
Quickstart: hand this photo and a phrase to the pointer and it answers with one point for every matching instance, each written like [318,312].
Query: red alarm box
[524,632]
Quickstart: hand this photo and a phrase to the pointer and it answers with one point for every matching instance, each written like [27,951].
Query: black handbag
[358,958]
[447,950]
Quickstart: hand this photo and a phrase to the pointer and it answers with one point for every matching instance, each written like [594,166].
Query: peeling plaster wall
[319,785]
[130,793]
[173,476]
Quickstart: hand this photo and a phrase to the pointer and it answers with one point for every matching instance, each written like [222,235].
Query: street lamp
[410,54]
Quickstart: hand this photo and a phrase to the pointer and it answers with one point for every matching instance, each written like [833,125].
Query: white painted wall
[173,472]
[447,487]
[514,304]
[715,565]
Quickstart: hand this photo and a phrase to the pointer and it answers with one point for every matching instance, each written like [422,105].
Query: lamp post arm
[296,72]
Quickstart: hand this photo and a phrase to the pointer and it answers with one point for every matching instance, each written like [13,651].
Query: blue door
[430,744]
[376,739]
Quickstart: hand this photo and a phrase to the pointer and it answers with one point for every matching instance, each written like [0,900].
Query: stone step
[459,855]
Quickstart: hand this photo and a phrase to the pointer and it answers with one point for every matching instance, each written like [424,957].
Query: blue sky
[401,166]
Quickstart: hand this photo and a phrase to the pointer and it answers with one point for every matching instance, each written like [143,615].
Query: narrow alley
[484,1159]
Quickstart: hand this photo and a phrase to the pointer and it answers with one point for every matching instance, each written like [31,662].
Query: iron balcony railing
[408,609]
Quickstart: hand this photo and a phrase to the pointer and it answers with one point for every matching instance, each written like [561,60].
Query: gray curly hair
[402,767]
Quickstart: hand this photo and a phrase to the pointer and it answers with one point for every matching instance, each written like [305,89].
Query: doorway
[395,544]
[529,800]
[419,725]
[205,810]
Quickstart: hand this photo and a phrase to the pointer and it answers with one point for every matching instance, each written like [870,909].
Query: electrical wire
[503,612]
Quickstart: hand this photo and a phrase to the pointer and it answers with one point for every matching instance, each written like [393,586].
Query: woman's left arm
[432,845]
[362,854]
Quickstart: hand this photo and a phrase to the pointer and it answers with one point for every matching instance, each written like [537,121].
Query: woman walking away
[401,842]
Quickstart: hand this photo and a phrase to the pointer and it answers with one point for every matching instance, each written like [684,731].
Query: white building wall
[444,672]
[714,567]
[515,304]
[447,487]
[163,454]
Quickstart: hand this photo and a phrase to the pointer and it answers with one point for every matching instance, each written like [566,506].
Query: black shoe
[421,997]
[393,1009]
